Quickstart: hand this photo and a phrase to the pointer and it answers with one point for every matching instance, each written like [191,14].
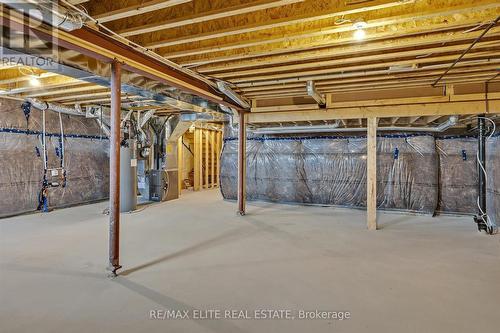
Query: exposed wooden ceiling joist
[373,20]
[350,50]
[206,16]
[379,77]
[144,7]
[419,53]
[323,74]
[385,27]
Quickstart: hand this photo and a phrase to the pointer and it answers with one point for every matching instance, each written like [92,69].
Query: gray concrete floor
[416,274]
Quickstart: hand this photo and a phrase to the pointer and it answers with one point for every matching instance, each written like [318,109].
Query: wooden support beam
[242,137]
[412,120]
[114,170]
[207,157]
[180,164]
[197,159]
[212,159]
[218,157]
[143,8]
[371,174]
[420,109]
[97,45]
[430,119]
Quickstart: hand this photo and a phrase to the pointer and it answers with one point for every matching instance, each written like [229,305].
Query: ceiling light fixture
[360,33]
[34,81]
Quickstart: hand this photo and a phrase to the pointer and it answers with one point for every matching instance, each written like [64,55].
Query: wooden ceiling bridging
[269,49]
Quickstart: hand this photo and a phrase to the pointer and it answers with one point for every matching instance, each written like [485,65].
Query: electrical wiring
[479,26]
[491,227]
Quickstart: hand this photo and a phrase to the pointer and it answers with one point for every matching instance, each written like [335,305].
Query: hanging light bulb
[360,33]
[34,81]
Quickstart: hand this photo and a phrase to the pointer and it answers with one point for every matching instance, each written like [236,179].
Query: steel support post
[114,170]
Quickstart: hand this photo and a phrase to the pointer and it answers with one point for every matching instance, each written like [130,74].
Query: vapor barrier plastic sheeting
[21,161]
[332,171]
[21,172]
[458,177]
[493,181]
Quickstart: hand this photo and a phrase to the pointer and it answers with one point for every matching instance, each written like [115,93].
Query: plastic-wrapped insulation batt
[493,181]
[332,171]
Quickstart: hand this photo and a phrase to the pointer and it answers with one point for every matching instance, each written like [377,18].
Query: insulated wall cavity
[21,159]
[458,178]
[332,171]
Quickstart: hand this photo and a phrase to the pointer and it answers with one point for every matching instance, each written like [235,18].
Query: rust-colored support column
[371,174]
[242,160]
[114,170]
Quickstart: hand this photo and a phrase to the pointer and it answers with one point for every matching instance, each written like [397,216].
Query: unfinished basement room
[249,166]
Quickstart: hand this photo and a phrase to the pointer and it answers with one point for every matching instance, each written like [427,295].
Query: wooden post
[180,164]
[212,159]
[114,170]
[217,158]
[207,164]
[242,164]
[371,174]
[197,159]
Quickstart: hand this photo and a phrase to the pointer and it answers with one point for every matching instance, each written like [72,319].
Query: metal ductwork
[42,105]
[315,94]
[298,129]
[226,90]
[176,126]
[452,121]
[48,12]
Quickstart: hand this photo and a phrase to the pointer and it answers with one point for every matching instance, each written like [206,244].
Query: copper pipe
[241,163]
[114,170]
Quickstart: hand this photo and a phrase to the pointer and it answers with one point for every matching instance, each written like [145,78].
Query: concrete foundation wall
[21,159]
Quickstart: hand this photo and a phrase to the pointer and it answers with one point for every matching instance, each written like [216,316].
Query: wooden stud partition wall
[207,149]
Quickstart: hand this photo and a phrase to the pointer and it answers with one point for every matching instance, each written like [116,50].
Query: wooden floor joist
[281,57]
[267,50]
[205,16]
[383,28]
